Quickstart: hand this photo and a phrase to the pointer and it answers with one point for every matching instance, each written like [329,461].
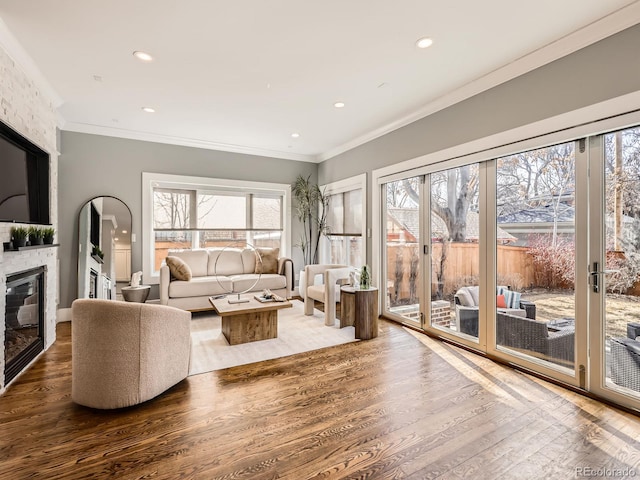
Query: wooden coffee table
[250,321]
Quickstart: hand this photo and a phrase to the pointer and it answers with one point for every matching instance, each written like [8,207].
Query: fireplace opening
[24,321]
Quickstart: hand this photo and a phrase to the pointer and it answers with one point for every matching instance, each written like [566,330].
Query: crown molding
[22,58]
[185,142]
[613,23]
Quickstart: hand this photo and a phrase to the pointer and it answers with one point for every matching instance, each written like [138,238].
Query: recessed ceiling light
[295,135]
[116,239]
[144,56]
[149,109]
[424,42]
[124,231]
[338,104]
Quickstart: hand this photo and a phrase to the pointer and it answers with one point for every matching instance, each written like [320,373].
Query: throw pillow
[179,270]
[269,262]
[500,302]
[465,298]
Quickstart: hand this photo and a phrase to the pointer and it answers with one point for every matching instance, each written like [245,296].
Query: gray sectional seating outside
[516,326]
[536,337]
[467,303]
[625,359]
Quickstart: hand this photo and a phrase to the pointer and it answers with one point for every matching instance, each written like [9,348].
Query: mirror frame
[92,263]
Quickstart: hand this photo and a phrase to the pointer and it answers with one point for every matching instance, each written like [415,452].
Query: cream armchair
[126,353]
[327,293]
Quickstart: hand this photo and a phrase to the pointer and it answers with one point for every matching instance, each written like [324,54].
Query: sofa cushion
[269,262]
[267,280]
[225,261]
[200,286]
[474,291]
[512,299]
[178,268]
[248,260]
[317,293]
[465,297]
[196,259]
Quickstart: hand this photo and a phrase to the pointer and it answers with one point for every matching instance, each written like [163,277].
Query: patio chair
[467,306]
[534,336]
[625,359]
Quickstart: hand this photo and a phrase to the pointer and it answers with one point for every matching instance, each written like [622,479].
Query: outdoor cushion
[474,291]
[465,298]
[512,299]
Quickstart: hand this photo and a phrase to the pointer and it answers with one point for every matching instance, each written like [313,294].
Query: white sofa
[235,273]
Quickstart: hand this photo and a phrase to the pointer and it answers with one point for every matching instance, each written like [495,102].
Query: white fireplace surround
[16,262]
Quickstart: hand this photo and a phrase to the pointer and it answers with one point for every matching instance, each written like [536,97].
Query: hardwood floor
[399,406]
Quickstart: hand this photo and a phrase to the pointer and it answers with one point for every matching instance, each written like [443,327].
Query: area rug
[297,333]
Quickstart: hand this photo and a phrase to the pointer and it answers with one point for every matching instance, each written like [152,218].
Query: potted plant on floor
[311,209]
[19,236]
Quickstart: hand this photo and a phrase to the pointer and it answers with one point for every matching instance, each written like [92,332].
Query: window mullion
[193,218]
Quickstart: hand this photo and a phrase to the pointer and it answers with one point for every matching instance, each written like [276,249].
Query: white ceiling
[244,75]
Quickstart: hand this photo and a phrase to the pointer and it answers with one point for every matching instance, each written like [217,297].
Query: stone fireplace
[30,110]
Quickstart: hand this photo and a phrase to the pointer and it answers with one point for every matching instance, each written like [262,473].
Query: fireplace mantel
[7,247]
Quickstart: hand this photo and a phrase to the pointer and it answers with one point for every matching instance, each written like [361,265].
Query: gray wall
[604,70]
[94,165]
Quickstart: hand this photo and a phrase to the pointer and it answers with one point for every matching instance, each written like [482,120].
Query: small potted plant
[47,235]
[35,235]
[97,253]
[19,236]
[365,278]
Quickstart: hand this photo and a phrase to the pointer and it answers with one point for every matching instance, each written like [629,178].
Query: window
[191,213]
[344,239]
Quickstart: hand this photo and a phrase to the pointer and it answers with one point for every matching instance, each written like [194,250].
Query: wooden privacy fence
[461,267]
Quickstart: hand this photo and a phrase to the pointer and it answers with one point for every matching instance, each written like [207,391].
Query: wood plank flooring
[398,406]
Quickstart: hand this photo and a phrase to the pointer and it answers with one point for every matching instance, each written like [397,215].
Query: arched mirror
[104,248]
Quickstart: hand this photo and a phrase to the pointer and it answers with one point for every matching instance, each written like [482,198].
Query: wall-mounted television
[24,179]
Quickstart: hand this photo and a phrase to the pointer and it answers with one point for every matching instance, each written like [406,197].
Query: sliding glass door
[401,268]
[536,254]
[615,266]
[453,218]
[533,257]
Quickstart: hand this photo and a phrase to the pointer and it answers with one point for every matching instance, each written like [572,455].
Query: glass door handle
[594,276]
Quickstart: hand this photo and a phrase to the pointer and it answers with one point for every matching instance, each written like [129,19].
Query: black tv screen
[24,179]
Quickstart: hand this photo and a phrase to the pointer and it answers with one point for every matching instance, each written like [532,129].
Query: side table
[360,308]
[136,294]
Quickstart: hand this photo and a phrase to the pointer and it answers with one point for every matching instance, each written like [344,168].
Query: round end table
[136,294]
